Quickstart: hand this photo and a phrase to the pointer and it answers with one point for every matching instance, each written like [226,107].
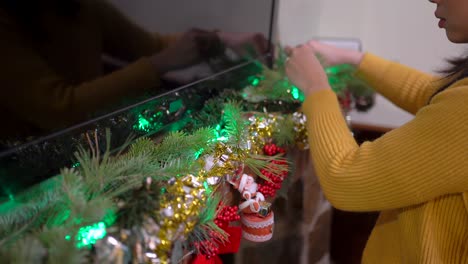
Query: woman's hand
[304,69]
[330,55]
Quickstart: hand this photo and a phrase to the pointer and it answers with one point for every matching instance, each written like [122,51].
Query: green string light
[340,69]
[254,80]
[339,76]
[222,139]
[220,134]
[198,153]
[297,94]
[89,235]
[110,218]
[147,125]
[208,190]
[143,124]
[176,106]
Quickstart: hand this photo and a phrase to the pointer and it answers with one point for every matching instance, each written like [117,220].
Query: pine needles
[235,125]
[46,221]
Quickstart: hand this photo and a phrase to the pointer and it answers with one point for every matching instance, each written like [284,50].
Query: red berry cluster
[208,248]
[269,188]
[272,149]
[345,100]
[227,214]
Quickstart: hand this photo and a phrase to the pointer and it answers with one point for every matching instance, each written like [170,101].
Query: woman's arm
[408,88]
[424,159]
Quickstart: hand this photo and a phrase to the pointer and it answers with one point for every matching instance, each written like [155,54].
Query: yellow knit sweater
[416,175]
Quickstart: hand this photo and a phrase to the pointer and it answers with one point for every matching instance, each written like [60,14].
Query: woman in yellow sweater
[51,72]
[416,175]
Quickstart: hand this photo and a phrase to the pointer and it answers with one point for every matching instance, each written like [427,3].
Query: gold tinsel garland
[184,197]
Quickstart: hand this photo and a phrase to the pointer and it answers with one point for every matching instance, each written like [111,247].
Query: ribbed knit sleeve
[408,88]
[417,162]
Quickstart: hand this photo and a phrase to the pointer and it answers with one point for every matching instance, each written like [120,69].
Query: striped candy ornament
[256,228]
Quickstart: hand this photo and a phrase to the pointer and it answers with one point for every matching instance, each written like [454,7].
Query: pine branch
[94,211]
[206,229]
[260,162]
[27,250]
[98,172]
[127,173]
[60,249]
[113,176]
[210,115]
[176,166]
[159,162]
[203,138]
[138,203]
[179,144]
[28,209]
[74,199]
[208,214]
[142,146]
[274,85]
[235,124]
[283,133]
[17,231]
[145,200]
[167,160]
[17,218]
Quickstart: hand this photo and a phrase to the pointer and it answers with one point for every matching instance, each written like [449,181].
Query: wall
[297,20]
[400,30]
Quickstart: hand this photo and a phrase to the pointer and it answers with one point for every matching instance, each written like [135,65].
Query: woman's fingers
[288,50]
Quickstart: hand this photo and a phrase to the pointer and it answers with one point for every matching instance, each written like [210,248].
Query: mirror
[66,62]
[41,135]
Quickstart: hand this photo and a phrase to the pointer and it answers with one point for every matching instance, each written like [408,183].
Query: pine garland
[126,188]
[235,125]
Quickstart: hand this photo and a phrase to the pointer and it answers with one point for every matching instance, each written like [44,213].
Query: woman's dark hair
[457,70]
[27,12]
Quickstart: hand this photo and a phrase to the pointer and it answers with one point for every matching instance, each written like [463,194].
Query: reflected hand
[192,47]
[245,44]
[304,69]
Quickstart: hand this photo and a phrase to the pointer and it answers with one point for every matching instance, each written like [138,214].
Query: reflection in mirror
[28,164]
[66,61]
[73,69]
